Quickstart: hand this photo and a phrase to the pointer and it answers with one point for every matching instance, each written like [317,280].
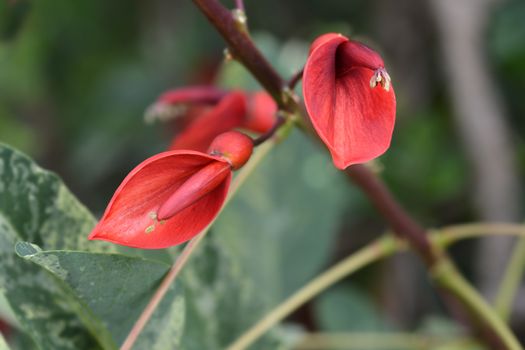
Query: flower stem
[295,79]
[270,133]
[511,280]
[450,234]
[451,284]
[447,276]
[382,248]
[243,49]
[379,340]
[402,224]
[378,249]
[161,291]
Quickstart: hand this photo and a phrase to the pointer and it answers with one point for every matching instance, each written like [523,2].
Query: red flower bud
[261,114]
[166,200]
[349,98]
[234,146]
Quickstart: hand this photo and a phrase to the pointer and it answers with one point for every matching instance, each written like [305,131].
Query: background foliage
[75,79]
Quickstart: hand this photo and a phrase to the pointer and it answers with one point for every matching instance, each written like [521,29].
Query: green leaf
[3,344]
[221,300]
[35,206]
[12,15]
[113,290]
[282,224]
[344,308]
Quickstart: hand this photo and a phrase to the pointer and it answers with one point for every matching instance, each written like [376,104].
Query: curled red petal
[261,113]
[228,114]
[131,218]
[192,95]
[353,118]
[353,54]
[323,39]
[194,188]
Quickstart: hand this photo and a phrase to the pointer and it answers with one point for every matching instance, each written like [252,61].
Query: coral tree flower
[207,112]
[349,98]
[169,198]
[228,114]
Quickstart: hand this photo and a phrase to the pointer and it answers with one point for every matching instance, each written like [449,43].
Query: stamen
[382,77]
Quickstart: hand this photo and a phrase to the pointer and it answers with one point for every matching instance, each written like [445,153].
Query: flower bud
[233,146]
[261,112]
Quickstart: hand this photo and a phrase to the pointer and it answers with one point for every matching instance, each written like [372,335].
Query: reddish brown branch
[270,133]
[295,79]
[242,48]
[403,225]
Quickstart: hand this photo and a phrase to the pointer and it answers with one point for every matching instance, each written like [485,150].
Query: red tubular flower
[349,98]
[205,112]
[169,198]
[193,95]
[228,114]
[185,103]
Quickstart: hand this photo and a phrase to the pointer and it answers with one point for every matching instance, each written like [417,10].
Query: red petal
[354,120]
[130,218]
[194,188]
[192,95]
[352,54]
[363,124]
[228,114]
[323,39]
[261,113]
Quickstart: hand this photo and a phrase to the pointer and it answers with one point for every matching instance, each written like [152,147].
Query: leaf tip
[26,250]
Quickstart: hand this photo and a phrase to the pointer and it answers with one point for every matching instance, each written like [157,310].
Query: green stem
[373,252]
[511,281]
[516,267]
[385,246]
[447,276]
[450,234]
[377,340]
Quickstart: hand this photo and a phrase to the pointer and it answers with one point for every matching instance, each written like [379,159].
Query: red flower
[172,196]
[228,114]
[207,112]
[349,98]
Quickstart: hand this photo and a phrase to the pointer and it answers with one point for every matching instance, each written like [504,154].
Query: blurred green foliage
[76,76]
